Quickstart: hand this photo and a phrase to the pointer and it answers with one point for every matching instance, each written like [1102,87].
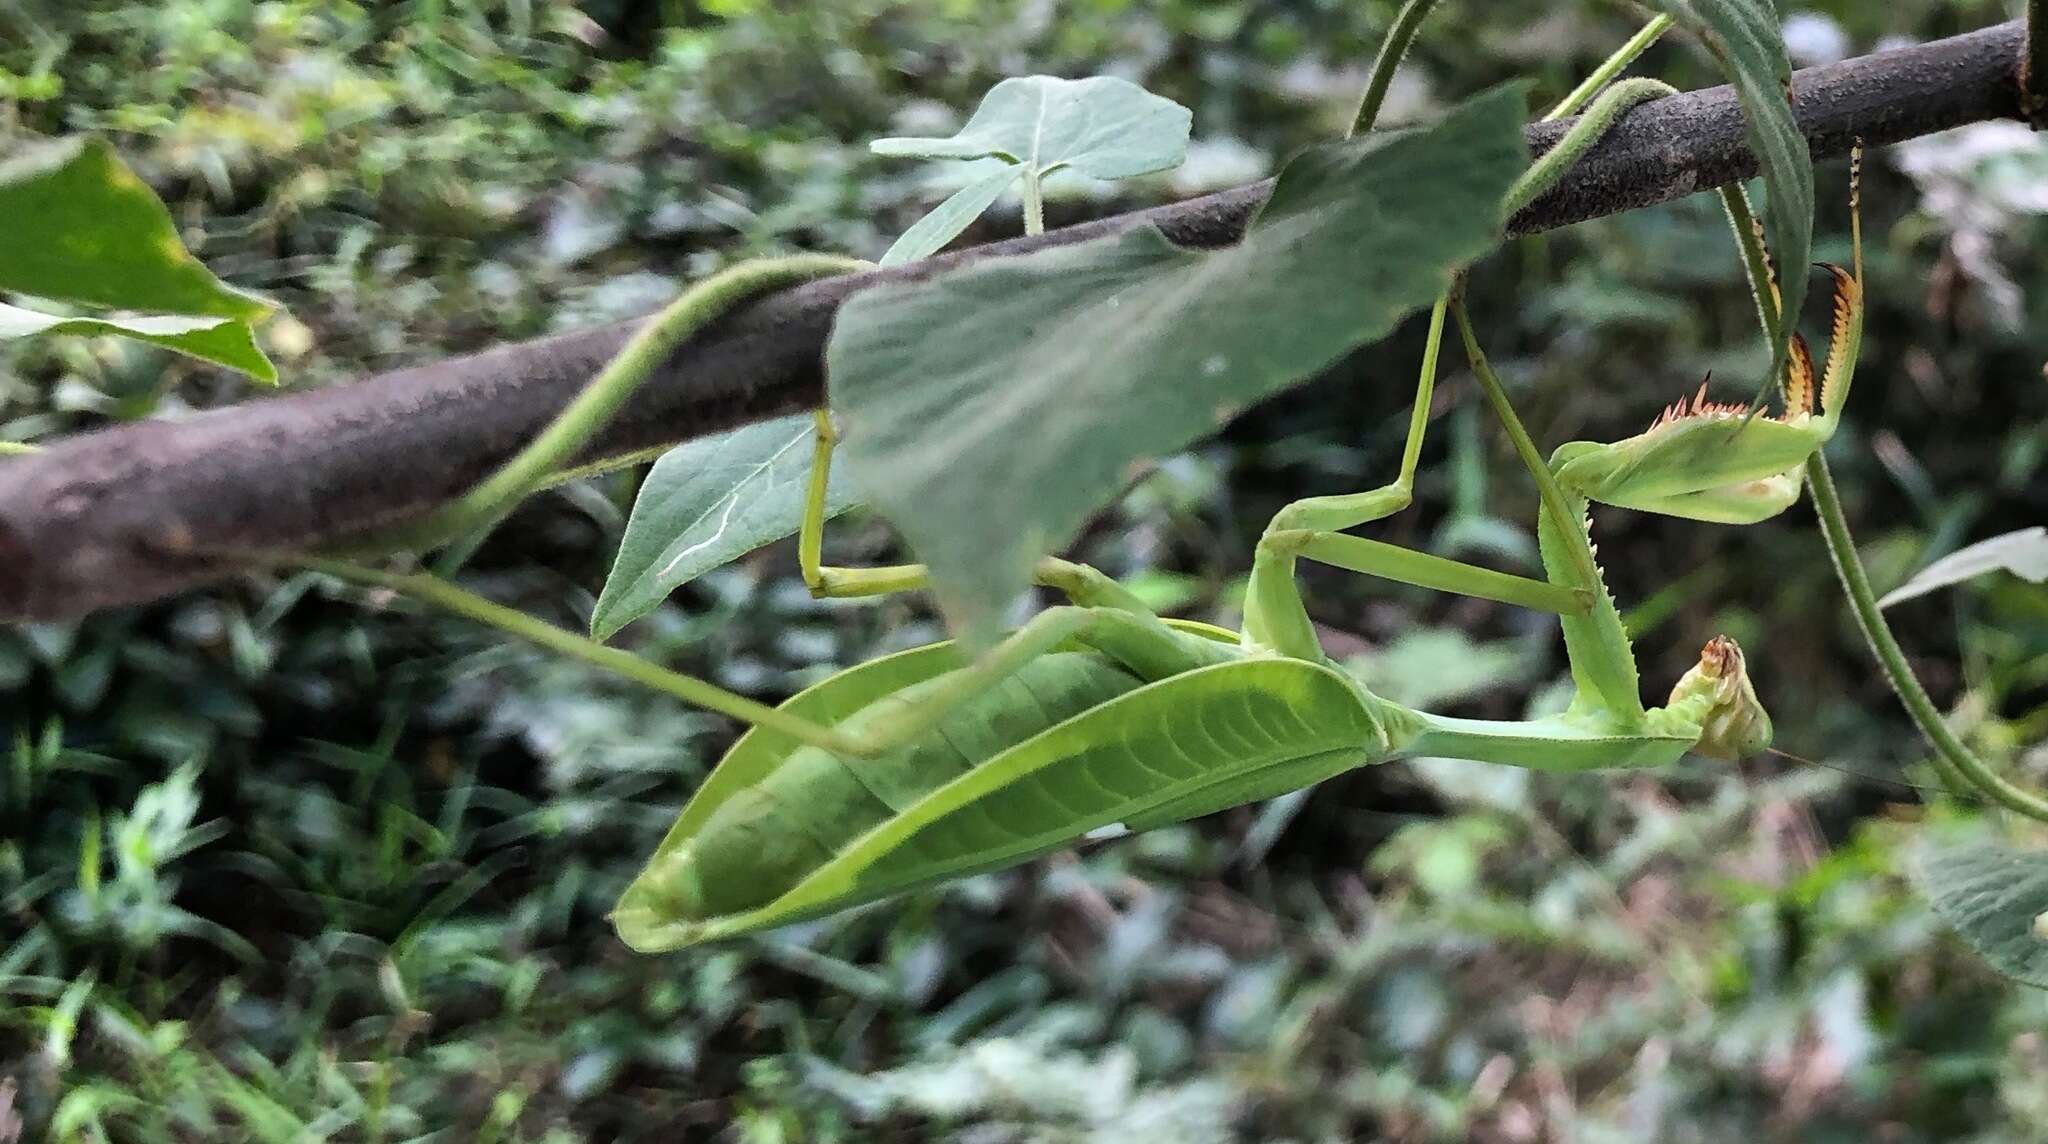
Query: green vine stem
[1863,602]
[582,419]
[1610,67]
[1392,51]
[18,449]
[1540,177]
[1546,171]
[441,594]
[466,522]
[1601,76]
[1956,761]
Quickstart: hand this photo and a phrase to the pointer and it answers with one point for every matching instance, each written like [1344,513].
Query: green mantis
[1098,718]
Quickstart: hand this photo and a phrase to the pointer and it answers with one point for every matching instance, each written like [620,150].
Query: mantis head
[1716,462]
[1734,724]
[1712,461]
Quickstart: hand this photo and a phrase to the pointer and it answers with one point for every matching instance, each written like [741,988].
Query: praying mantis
[1098,717]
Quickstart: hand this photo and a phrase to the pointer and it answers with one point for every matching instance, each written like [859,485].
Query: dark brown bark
[126,514]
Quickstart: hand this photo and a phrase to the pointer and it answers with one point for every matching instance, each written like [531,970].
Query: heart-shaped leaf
[1104,127]
[2023,552]
[1745,37]
[1997,900]
[708,502]
[991,408]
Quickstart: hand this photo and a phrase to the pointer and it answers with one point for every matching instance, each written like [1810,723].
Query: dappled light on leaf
[81,228]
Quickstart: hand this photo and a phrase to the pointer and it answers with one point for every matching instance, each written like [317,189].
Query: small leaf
[989,409]
[949,218]
[1995,898]
[1103,127]
[708,502]
[82,228]
[2023,552]
[1745,37]
[223,340]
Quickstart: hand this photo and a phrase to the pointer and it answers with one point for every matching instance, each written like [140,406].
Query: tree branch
[130,514]
[2034,66]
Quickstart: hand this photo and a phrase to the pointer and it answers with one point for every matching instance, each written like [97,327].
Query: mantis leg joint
[1282,541]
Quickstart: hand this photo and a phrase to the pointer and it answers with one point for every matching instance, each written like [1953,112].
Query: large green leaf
[1104,127]
[712,501]
[707,502]
[990,409]
[1997,899]
[224,340]
[1744,36]
[830,702]
[81,228]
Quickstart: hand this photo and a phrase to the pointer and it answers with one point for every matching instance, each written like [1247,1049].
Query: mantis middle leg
[828,582]
[1313,528]
[1079,583]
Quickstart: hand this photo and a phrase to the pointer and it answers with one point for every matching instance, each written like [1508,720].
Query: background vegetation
[275,867]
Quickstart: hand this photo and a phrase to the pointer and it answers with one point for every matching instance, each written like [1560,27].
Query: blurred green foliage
[278,862]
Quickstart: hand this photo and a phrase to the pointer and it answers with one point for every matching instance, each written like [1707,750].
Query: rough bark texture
[128,514]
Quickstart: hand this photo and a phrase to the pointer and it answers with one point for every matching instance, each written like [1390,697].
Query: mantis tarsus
[1098,717]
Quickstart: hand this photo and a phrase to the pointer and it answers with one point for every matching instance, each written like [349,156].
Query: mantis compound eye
[1735,725]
